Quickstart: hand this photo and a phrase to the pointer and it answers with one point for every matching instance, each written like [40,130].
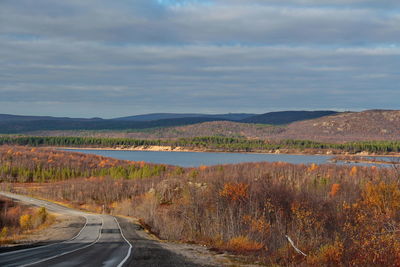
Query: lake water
[195,159]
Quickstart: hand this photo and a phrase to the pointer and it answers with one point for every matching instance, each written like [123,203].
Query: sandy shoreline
[138,148]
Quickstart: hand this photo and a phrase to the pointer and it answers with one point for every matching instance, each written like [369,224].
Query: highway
[100,242]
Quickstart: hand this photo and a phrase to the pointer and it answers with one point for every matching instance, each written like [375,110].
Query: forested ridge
[211,143]
[370,125]
[21,126]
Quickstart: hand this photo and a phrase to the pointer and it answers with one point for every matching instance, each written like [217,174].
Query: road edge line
[44,246]
[68,252]
[130,245]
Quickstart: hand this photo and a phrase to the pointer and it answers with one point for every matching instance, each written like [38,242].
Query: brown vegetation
[17,220]
[214,128]
[350,126]
[24,164]
[337,215]
[358,159]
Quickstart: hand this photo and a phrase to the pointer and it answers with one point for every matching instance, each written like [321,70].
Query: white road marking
[45,246]
[68,252]
[38,203]
[49,245]
[130,246]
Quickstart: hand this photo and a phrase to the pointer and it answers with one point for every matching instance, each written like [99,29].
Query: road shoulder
[64,228]
[148,251]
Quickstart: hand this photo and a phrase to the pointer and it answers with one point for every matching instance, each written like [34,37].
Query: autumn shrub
[242,244]
[12,215]
[145,207]
[370,227]
[25,221]
[17,219]
[234,191]
[168,190]
[334,190]
[39,217]
[4,232]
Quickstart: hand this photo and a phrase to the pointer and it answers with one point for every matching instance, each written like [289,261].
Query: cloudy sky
[113,58]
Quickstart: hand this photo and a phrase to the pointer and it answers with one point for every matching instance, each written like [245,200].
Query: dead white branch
[295,248]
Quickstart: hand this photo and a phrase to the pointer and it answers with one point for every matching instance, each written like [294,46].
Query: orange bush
[243,244]
[103,163]
[313,167]
[384,198]
[334,190]
[234,191]
[328,255]
[203,167]
[353,171]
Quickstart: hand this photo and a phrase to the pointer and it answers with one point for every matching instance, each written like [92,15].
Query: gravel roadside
[149,252]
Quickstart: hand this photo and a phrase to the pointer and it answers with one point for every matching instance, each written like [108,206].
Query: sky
[101,58]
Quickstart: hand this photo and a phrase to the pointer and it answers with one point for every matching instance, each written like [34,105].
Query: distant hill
[341,127]
[23,126]
[274,118]
[163,116]
[9,117]
[348,126]
[285,117]
[210,128]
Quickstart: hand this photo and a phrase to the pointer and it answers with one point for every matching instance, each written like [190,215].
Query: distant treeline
[210,143]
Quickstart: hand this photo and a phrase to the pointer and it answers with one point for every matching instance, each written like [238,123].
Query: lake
[195,159]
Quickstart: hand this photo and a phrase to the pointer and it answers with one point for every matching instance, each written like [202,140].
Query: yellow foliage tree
[4,232]
[25,221]
[370,227]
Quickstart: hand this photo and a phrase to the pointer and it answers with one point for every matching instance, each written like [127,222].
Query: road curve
[99,243]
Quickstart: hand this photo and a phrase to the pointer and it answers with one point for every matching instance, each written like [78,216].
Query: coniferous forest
[212,143]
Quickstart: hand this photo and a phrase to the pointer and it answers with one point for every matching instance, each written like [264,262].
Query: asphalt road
[99,243]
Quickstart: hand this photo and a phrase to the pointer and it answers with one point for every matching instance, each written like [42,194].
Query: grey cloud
[241,22]
[111,58]
[196,67]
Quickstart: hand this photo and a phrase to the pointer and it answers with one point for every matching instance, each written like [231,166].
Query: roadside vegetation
[18,220]
[210,144]
[335,215]
[23,164]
